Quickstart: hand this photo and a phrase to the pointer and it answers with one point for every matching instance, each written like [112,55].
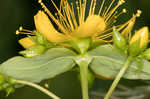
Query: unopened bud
[119,41]
[139,41]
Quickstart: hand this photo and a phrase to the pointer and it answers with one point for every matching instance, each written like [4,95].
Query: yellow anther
[124,11]
[46,85]
[139,12]
[39,1]
[20,28]
[121,2]
[17,32]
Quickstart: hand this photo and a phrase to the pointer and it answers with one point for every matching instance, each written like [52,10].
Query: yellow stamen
[23,31]
[52,17]
[100,11]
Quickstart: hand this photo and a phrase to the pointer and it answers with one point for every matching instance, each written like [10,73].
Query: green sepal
[135,50]
[96,44]
[119,41]
[146,54]
[40,39]
[33,51]
[81,45]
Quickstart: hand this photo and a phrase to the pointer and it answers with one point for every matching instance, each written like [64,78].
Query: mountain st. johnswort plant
[81,37]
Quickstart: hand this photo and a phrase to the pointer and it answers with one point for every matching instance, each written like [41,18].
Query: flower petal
[44,26]
[92,26]
[26,42]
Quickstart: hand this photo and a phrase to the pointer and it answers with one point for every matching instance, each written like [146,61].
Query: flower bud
[139,41]
[119,41]
[9,90]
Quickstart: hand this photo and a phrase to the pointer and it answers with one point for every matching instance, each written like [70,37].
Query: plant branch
[38,87]
[118,77]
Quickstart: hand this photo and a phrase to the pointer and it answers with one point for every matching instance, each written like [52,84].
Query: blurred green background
[15,13]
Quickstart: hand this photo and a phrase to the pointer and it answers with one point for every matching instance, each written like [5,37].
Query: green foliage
[55,61]
[108,62]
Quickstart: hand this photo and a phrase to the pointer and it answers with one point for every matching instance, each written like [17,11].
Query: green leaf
[55,61]
[107,62]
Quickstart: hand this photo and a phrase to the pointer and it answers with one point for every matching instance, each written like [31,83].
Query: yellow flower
[78,21]
[43,25]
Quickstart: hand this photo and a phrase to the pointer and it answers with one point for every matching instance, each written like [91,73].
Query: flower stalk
[50,94]
[118,77]
[84,79]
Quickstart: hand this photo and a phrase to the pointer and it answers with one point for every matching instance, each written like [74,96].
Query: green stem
[38,87]
[84,79]
[118,77]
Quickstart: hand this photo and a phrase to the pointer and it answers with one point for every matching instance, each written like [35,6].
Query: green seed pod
[146,54]
[139,41]
[2,79]
[119,41]
[33,51]
[9,90]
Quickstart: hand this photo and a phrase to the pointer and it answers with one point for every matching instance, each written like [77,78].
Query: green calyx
[40,39]
[41,45]
[81,45]
[146,54]
[135,49]
[119,41]
[33,51]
